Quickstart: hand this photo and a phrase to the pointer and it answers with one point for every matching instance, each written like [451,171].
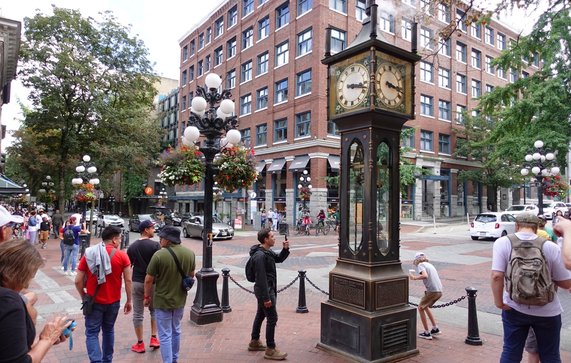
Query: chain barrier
[252,292]
[445,304]
[288,285]
[315,286]
[239,285]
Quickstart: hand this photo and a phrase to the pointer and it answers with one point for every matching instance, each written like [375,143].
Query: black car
[136,219]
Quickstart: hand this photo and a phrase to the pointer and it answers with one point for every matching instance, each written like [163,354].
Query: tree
[91,93]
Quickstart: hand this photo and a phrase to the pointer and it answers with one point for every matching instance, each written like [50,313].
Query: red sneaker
[155,344]
[138,348]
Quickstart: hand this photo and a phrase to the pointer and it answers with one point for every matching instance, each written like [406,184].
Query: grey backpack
[528,279]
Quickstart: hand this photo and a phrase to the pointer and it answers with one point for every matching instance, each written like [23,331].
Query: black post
[473,337]
[301,304]
[539,179]
[225,293]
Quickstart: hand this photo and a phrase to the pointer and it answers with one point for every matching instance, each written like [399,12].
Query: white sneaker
[73,273]
[63,268]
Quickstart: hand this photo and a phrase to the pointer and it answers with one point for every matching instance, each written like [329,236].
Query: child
[44,231]
[429,276]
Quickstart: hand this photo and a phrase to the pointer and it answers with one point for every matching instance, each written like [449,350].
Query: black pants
[271,316]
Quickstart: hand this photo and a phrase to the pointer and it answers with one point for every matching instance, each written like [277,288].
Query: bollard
[301,305]
[225,295]
[473,337]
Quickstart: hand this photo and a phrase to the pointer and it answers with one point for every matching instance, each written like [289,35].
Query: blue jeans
[271,314]
[168,326]
[516,327]
[70,252]
[102,319]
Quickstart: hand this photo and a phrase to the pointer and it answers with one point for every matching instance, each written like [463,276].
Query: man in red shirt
[99,273]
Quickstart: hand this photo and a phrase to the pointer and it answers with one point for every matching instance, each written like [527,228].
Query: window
[246,137]
[264,28]
[191,73]
[281,91]
[262,98]
[338,40]
[501,73]
[387,22]
[524,74]
[282,15]
[219,27]
[200,68]
[183,77]
[514,75]
[425,6]
[280,130]
[444,77]
[489,88]
[444,110]
[489,36]
[302,124]
[185,53]
[426,72]
[304,42]
[444,13]
[406,29]
[282,54]
[461,20]
[426,38]
[183,103]
[201,41]
[263,61]
[501,41]
[489,66]
[461,52]
[247,38]
[303,6]
[426,140]
[232,16]
[339,5]
[246,104]
[535,61]
[332,128]
[360,8]
[476,30]
[445,47]
[231,79]
[192,48]
[460,111]
[426,105]
[461,84]
[476,88]
[476,59]
[303,83]
[408,141]
[261,134]
[246,72]
[231,48]
[218,56]
[248,7]
[207,63]
[208,35]
[444,143]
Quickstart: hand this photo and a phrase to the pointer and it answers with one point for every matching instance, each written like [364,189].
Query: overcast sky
[160,24]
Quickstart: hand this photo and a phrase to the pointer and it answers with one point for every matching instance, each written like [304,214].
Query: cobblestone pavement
[296,333]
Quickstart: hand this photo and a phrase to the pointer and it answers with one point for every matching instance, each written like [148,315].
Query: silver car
[195,225]
[109,220]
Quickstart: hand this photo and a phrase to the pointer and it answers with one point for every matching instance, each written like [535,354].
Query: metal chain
[315,286]
[252,292]
[288,285]
[445,304]
[240,286]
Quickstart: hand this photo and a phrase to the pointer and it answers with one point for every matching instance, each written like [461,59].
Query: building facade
[269,53]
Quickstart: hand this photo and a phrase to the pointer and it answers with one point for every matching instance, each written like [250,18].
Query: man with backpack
[70,246]
[525,270]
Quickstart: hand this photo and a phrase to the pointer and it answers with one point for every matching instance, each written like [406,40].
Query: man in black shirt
[140,253]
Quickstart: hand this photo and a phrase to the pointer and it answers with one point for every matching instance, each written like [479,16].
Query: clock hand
[356,85]
[390,85]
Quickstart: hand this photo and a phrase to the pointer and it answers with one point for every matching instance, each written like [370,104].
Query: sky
[160,24]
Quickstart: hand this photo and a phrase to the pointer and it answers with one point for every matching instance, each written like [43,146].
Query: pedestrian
[563,230]
[44,231]
[57,222]
[71,247]
[99,273]
[265,287]
[7,223]
[168,297]
[517,318]
[140,253]
[263,218]
[275,219]
[429,276]
[32,227]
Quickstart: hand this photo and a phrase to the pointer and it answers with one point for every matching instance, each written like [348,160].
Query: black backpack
[68,237]
[250,268]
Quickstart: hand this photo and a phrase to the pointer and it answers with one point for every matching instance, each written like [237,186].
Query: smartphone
[285,237]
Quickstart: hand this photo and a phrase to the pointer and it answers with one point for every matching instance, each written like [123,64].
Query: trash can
[283,228]
[84,241]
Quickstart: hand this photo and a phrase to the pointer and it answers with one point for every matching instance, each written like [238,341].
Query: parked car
[88,216]
[176,219]
[185,217]
[109,220]
[492,225]
[195,225]
[136,219]
[550,208]
[516,209]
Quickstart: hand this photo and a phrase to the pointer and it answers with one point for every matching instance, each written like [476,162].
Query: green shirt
[168,290]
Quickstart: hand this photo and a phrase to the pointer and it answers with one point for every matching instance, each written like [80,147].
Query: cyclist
[306,223]
[321,218]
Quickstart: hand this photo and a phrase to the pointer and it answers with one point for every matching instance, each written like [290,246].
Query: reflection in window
[356,184]
[383,193]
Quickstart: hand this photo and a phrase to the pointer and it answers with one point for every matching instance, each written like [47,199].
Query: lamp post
[542,164]
[304,188]
[163,195]
[47,188]
[212,115]
[86,173]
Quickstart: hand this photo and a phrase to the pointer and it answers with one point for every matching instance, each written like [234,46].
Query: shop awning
[334,161]
[276,165]
[260,167]
[300,162]
[8,186]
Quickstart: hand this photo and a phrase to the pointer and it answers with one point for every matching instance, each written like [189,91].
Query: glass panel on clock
[356,195]
[382,198]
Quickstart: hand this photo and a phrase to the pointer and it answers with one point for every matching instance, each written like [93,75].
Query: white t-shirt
[77,219]
[500,259]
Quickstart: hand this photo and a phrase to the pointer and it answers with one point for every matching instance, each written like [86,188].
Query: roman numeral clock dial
[352,86]
[390,85]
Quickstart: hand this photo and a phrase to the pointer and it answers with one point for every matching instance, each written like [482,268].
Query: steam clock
[371,96]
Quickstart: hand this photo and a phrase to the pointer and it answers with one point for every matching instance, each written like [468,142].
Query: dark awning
[260,167]
[277,165]
[300,162]
[334,161]
[8,186]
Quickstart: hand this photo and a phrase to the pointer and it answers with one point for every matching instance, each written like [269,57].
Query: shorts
[44,235]
[531,342]
[429,299]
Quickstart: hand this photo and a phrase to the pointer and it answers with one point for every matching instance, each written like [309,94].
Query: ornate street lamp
[542,164]
[163,195]
[304,188]
[47,190]
[87,173]
[212,116]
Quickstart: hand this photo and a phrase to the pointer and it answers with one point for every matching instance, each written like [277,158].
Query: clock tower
[370,97]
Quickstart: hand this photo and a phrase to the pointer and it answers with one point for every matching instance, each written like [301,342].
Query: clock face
[352,86]
[390,84]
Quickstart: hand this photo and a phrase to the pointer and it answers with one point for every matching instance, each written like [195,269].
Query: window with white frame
[444,110]
[185,53]
[232,16]
[248,7]
[489,36]
[406,29]
[246,104]
[360,8]
[524,74]
[425,6]
[476,30]
[263,63]
[231,79]
[476,58]
[191,73]
[261,134]
[247,38]
[444,144]
[282,15]
[489,66]
[183,78]
[501,43]
[460,112]
[339,5]
[444,13]
[387,22]
[264,28]
[282,54]
[246,72]
[461,52]
[303,83]
[280,130]
[219,27]
[426,73]
[476,88]
[200,40]
[304,42]
[208,35]
[489,88]
[246,137]
[183,103]
[535,61]
[262,98]
[445,47]
[200,68]
[426,105]
[461,83]
[303,6]
[192,48]
[501,73]
[281,91]
[461,20]
[444,77]
[207,63]
[338,40]
[218,56]
[426,140]
[303,124]
[426,38]
[514,75]
[231,48]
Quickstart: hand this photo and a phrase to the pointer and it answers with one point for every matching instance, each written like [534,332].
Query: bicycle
[322,227]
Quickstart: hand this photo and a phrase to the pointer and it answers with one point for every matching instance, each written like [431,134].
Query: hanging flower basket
[86,193]
[305,194]
[555,187]
[236,168]
[182,166]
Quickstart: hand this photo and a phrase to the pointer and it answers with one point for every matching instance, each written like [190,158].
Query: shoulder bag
[187,281]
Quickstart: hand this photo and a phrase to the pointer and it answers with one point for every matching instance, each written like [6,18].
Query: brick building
[269,53]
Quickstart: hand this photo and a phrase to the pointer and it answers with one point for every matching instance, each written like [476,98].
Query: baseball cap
[145,224]
[6,217]
[419,255]
[527,218]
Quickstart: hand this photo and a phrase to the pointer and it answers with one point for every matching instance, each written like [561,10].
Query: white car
[550,208]
[516,209]
[492,225]
[109,220]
